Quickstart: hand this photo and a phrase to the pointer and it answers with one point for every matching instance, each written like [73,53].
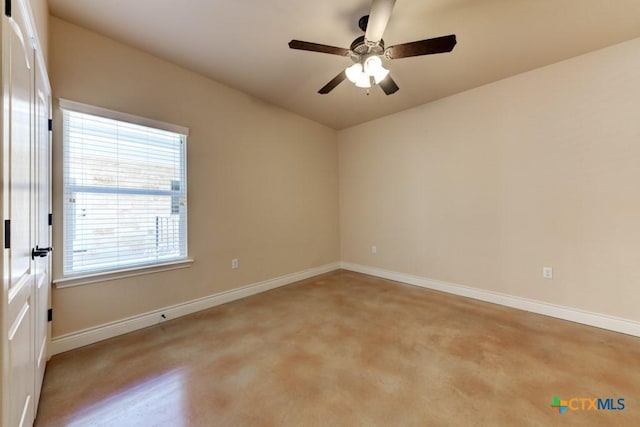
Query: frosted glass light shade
[356,75]
[373,67]
[381,75]
[354,72]
[364,81]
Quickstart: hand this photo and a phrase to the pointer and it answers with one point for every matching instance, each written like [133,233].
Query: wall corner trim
[616,324]
[109,330]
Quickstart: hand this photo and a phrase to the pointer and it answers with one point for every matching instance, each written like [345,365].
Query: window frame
[78,278]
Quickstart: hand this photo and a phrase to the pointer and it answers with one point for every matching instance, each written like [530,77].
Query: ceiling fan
[368,51]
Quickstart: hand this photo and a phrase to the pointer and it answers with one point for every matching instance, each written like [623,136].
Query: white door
[18,278]
[42,203]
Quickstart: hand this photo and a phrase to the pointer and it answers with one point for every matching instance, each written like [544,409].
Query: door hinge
[7,234]
[50,315]
[7,8]
[50,219]
[50,124]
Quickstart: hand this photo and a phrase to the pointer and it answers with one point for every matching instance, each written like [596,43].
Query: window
[125,190]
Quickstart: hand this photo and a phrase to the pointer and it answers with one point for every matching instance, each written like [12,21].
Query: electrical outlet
[547,272]
[374,249]
[234,263]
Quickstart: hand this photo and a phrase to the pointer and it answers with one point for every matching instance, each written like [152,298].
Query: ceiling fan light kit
[361,74]
[367,51]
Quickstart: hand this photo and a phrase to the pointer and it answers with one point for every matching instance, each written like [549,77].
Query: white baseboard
[108,330]
[602,321]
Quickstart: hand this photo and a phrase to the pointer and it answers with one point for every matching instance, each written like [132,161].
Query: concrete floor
[346,349]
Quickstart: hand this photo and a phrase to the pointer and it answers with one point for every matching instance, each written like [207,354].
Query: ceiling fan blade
[422,47]
[378,19]
[315,47]
[333,83]
[388,85]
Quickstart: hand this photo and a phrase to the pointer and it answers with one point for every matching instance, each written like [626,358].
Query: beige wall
[481,189]
[262,182]
[485,188]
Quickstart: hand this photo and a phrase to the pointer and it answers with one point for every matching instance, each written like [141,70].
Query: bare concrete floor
[345,349]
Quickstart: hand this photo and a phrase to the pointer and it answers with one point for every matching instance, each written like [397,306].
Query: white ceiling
[243,43]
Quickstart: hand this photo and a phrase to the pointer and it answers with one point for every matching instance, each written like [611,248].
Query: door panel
[18,171]
[20,354]
[20,154]
[42,265]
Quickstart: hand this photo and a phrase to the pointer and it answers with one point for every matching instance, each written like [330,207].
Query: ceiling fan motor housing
[361,48]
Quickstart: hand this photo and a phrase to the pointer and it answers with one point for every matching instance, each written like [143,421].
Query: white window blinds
[124,193]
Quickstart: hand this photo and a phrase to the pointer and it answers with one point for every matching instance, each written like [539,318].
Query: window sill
[67,282]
